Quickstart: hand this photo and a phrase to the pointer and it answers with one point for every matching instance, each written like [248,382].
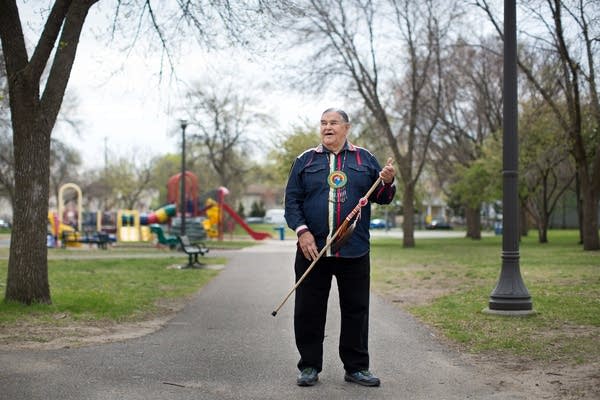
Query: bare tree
[35,103]
[472,112]
[221,120]
[6,157]
[64,163]
[574,93]
[394,71]
[129,182]
[7,180]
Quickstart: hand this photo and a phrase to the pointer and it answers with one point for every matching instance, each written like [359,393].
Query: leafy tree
[121,184]
[478,182]
[163,168]
[288,147]
[257,209]
[547,168]
[266,173]
[240,210]
[130,183]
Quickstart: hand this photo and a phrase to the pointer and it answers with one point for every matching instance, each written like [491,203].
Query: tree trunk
[27,280]
[523,220]
[473,217]
[408,226]
[589,208]
[33,118]
[543,230]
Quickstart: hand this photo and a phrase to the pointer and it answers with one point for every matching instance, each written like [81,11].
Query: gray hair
[342,113]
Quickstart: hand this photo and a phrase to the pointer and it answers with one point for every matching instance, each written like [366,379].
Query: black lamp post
[510,296]
[183,123]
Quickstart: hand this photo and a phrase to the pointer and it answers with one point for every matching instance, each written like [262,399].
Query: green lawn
[108,289]
[447,283]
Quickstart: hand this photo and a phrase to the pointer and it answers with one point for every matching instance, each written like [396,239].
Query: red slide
[255,235]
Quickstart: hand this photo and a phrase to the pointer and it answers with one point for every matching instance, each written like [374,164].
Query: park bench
[192,250]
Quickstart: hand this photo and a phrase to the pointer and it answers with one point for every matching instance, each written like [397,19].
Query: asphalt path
[226,345]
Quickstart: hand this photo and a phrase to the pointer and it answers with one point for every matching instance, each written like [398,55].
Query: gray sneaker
[364,378]
[308,377]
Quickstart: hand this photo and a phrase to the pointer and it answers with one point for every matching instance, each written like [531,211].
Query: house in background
[269,197]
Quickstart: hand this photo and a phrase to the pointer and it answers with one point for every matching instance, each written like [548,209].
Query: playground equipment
[101,239]
[61,205]
[133,226]
[58,230]
[191,193]
[162,238]
[214,207]
[214,222]
[100,221]
[213,218]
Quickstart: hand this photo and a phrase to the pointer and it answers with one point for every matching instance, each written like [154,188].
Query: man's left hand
[388,172]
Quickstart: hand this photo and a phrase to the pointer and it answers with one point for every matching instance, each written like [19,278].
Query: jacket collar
[347,146]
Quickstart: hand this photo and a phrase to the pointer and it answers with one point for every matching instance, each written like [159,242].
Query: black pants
[310,312]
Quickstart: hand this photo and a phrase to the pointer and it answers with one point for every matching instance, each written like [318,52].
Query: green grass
[453,279]
[115,290]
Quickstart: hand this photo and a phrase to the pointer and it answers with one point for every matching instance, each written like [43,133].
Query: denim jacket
[311,203]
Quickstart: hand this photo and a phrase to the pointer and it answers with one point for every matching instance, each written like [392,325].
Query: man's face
[334,131]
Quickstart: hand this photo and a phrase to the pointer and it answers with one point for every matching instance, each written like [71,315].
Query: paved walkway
[226,345]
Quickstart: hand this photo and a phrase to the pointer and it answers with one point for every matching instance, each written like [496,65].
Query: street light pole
[510,297]
[183,123]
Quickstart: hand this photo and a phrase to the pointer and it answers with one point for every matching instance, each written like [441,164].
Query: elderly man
[324,185]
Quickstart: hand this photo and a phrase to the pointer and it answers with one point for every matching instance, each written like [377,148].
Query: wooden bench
[192,250]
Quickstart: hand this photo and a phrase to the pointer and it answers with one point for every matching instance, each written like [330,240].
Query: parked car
[378,223]
[438,224]
[254,220]
[4,224]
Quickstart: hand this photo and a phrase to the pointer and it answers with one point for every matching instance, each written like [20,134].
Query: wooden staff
[339,232]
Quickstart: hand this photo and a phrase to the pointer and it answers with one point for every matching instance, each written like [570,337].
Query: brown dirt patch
[63,332]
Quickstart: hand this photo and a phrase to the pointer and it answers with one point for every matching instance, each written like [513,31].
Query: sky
[126,109]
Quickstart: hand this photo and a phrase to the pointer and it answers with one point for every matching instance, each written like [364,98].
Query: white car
[275,216]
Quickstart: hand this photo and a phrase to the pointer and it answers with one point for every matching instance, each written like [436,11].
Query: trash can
[281,230]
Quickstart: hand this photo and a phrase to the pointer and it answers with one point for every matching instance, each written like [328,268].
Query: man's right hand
[308,247]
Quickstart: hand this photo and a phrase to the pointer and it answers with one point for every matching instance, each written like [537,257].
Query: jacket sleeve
[384,194]
[294,198]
